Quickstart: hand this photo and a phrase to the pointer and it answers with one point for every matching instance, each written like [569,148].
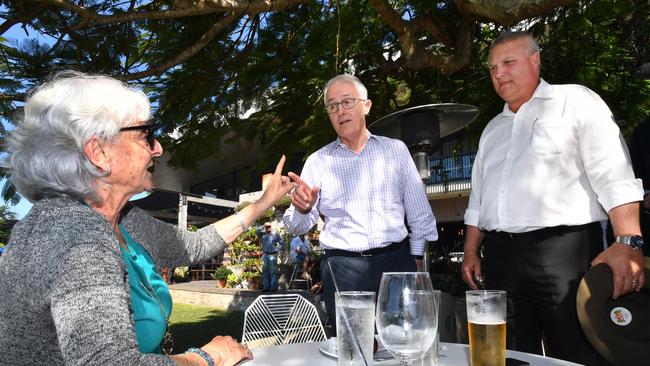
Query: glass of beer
[486,317]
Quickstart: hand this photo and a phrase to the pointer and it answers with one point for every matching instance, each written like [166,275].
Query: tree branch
[431,24]
[200,7]
[413,52]
[390,16]
[34,11]
[448,64]
[508,12]
[186,54]
[19,97]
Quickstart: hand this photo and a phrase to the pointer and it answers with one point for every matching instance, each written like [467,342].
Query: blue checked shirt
[364,197]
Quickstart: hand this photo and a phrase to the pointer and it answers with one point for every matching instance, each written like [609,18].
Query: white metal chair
[281,319]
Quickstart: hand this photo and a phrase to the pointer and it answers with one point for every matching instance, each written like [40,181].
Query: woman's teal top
[150,298]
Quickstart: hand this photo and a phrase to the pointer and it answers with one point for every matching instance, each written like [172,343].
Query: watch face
[636,241]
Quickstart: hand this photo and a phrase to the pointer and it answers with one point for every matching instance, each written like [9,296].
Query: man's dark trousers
[541,271]
[361,273]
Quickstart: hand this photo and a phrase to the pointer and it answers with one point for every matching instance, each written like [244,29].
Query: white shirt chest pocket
[550,136]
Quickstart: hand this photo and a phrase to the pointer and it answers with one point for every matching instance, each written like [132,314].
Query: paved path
[207,293]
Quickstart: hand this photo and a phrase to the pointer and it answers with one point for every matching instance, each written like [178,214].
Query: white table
[451,354]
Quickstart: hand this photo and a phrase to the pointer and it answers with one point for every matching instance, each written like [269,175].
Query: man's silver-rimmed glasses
[348,103]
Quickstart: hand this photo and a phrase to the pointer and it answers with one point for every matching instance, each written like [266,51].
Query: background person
[299,252]
[364,186]
[79,276]
[548,169]
[271,243]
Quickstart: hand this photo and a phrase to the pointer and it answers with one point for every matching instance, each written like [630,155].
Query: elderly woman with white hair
[79,278]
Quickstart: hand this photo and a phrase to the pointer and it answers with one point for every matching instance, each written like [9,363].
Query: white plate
[330,348]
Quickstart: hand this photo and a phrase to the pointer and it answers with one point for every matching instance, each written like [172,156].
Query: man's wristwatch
[635,241]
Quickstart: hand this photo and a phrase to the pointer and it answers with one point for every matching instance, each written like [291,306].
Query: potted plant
[233,281]
[221,275]
[181,274]
[253,265]
[253,278]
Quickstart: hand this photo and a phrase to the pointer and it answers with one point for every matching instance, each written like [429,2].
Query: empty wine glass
[407,314]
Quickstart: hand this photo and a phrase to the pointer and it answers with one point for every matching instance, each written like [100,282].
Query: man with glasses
[364,186]
[548,169]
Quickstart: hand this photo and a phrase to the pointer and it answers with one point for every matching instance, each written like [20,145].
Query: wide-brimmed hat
[267,224]
[618,329]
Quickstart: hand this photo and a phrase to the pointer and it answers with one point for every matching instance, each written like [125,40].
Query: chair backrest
[281,319]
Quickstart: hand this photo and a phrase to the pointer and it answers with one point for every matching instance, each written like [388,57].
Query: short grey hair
[515,36]
[46,149]
[361,89]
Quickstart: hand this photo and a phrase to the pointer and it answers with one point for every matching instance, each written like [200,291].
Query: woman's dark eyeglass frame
[151,132]
[334,107]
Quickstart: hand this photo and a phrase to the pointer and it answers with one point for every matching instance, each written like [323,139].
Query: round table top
[451,354]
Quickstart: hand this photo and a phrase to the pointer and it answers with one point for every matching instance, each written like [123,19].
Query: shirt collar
[543,91]
[338,144]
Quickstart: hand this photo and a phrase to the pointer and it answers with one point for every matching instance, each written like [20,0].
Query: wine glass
[407,314]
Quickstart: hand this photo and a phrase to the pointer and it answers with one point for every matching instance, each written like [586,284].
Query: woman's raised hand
[278,186]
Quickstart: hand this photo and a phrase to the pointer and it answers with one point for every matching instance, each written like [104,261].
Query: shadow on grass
[194,326]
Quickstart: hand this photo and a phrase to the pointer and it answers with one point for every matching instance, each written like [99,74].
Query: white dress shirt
[364,197]
[560,160]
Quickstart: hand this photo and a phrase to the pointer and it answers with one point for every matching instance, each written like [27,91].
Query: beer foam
[485,318]
[487,321]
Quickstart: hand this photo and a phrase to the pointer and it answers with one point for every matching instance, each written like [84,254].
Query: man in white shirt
[364,186]
[548,169]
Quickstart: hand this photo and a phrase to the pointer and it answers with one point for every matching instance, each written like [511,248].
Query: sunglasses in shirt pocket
[549,136]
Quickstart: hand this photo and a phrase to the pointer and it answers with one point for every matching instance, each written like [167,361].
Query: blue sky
[21,208]
[13,35]
[17,34]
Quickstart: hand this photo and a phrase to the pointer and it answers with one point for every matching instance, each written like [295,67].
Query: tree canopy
[256,68]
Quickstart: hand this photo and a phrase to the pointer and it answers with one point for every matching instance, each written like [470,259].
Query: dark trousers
[644,220]
[360,273]
[541,272]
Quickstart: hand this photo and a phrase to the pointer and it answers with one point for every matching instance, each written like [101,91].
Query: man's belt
[367,253]
[537,234]
[270,253]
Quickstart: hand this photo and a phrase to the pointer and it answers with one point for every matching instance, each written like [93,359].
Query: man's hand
[418,264]
[471,261]
[626,263]
[471,269]
[303,197]
[627,267]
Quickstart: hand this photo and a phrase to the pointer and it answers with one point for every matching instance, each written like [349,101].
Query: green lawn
[194,325]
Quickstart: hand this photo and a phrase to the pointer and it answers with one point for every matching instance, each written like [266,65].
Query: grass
[194,325]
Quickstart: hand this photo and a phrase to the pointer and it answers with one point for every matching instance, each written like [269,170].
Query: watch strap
[634,241]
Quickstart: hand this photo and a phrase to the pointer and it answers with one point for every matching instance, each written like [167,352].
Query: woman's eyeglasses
[151,132]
